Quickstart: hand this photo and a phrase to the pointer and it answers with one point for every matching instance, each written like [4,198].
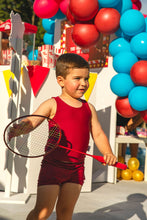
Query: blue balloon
[108,3]
[119,45]
[124,5]
[132,22]
[121,84]
[146,24]
[120,33]
[123,61]
[138,98]
[59,15]
[30,55]
[48,39]
[139,45]
[48,25]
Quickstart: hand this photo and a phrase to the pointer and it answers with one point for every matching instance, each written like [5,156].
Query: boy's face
[76,82]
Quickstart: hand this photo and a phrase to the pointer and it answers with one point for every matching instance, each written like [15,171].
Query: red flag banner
[37,75]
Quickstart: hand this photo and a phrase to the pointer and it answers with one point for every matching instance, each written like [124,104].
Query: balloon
[144,115]
[84,10]
[121,84]
[30,55]
[139,45]
[59,15]
[138,98]
[124,5]
[48,39]
[119,45]
[123,61]
[132,22]
[126,174]
[45,8]
[108,3]
[138,73]
[124,108]
[85,35]
[119,33]
[70,17]
[64,5]
[133,163]
[146,24]
[107,20]
[48,25]
[138,175]
[137,5]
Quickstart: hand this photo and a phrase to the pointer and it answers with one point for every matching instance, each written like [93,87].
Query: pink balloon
[45,8]
[64,5]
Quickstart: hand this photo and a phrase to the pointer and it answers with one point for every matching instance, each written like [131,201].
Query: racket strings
[53,138]
[29,142]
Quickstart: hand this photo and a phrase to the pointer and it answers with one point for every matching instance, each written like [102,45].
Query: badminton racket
[33,136]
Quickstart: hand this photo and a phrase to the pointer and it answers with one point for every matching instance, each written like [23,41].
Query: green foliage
[25,9]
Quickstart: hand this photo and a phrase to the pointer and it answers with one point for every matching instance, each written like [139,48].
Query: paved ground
[122,201]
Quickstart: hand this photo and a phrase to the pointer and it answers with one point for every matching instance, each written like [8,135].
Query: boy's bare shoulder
[91,106]
[50,101]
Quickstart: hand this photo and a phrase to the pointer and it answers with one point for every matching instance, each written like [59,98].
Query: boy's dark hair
[67,61]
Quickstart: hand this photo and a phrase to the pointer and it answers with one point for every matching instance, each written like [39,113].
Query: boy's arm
[100,138]
[30,123]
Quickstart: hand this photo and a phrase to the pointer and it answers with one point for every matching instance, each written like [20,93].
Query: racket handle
[117,164]
[121,166]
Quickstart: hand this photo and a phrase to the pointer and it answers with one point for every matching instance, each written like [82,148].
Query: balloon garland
[129,49]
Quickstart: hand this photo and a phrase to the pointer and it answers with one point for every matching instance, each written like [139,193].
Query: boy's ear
[60,81]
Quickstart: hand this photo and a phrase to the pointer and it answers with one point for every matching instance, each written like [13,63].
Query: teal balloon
[120,33]
[119,45]
[124,5]
[48,39]
[123,61]
[30,55]
[108,3]
[138,98]
[146,24]
[139,45]
[48,25]
[132,22]
[121,84]
[59,15]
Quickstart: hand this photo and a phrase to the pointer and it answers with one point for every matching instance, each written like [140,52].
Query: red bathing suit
[63,165]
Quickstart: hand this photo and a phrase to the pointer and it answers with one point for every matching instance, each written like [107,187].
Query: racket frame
[25,116]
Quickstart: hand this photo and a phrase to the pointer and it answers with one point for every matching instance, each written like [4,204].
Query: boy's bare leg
[46,198]
[68,196]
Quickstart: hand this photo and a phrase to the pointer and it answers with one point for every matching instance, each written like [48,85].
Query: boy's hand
[110,159]
[15,131]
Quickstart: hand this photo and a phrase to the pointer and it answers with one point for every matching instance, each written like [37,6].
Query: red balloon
[64,5]
[124,108]
[138,73]
[85,35]
[107,20]
[137,5]
[84,10]
[45,8]
[70,17]
[144,115]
